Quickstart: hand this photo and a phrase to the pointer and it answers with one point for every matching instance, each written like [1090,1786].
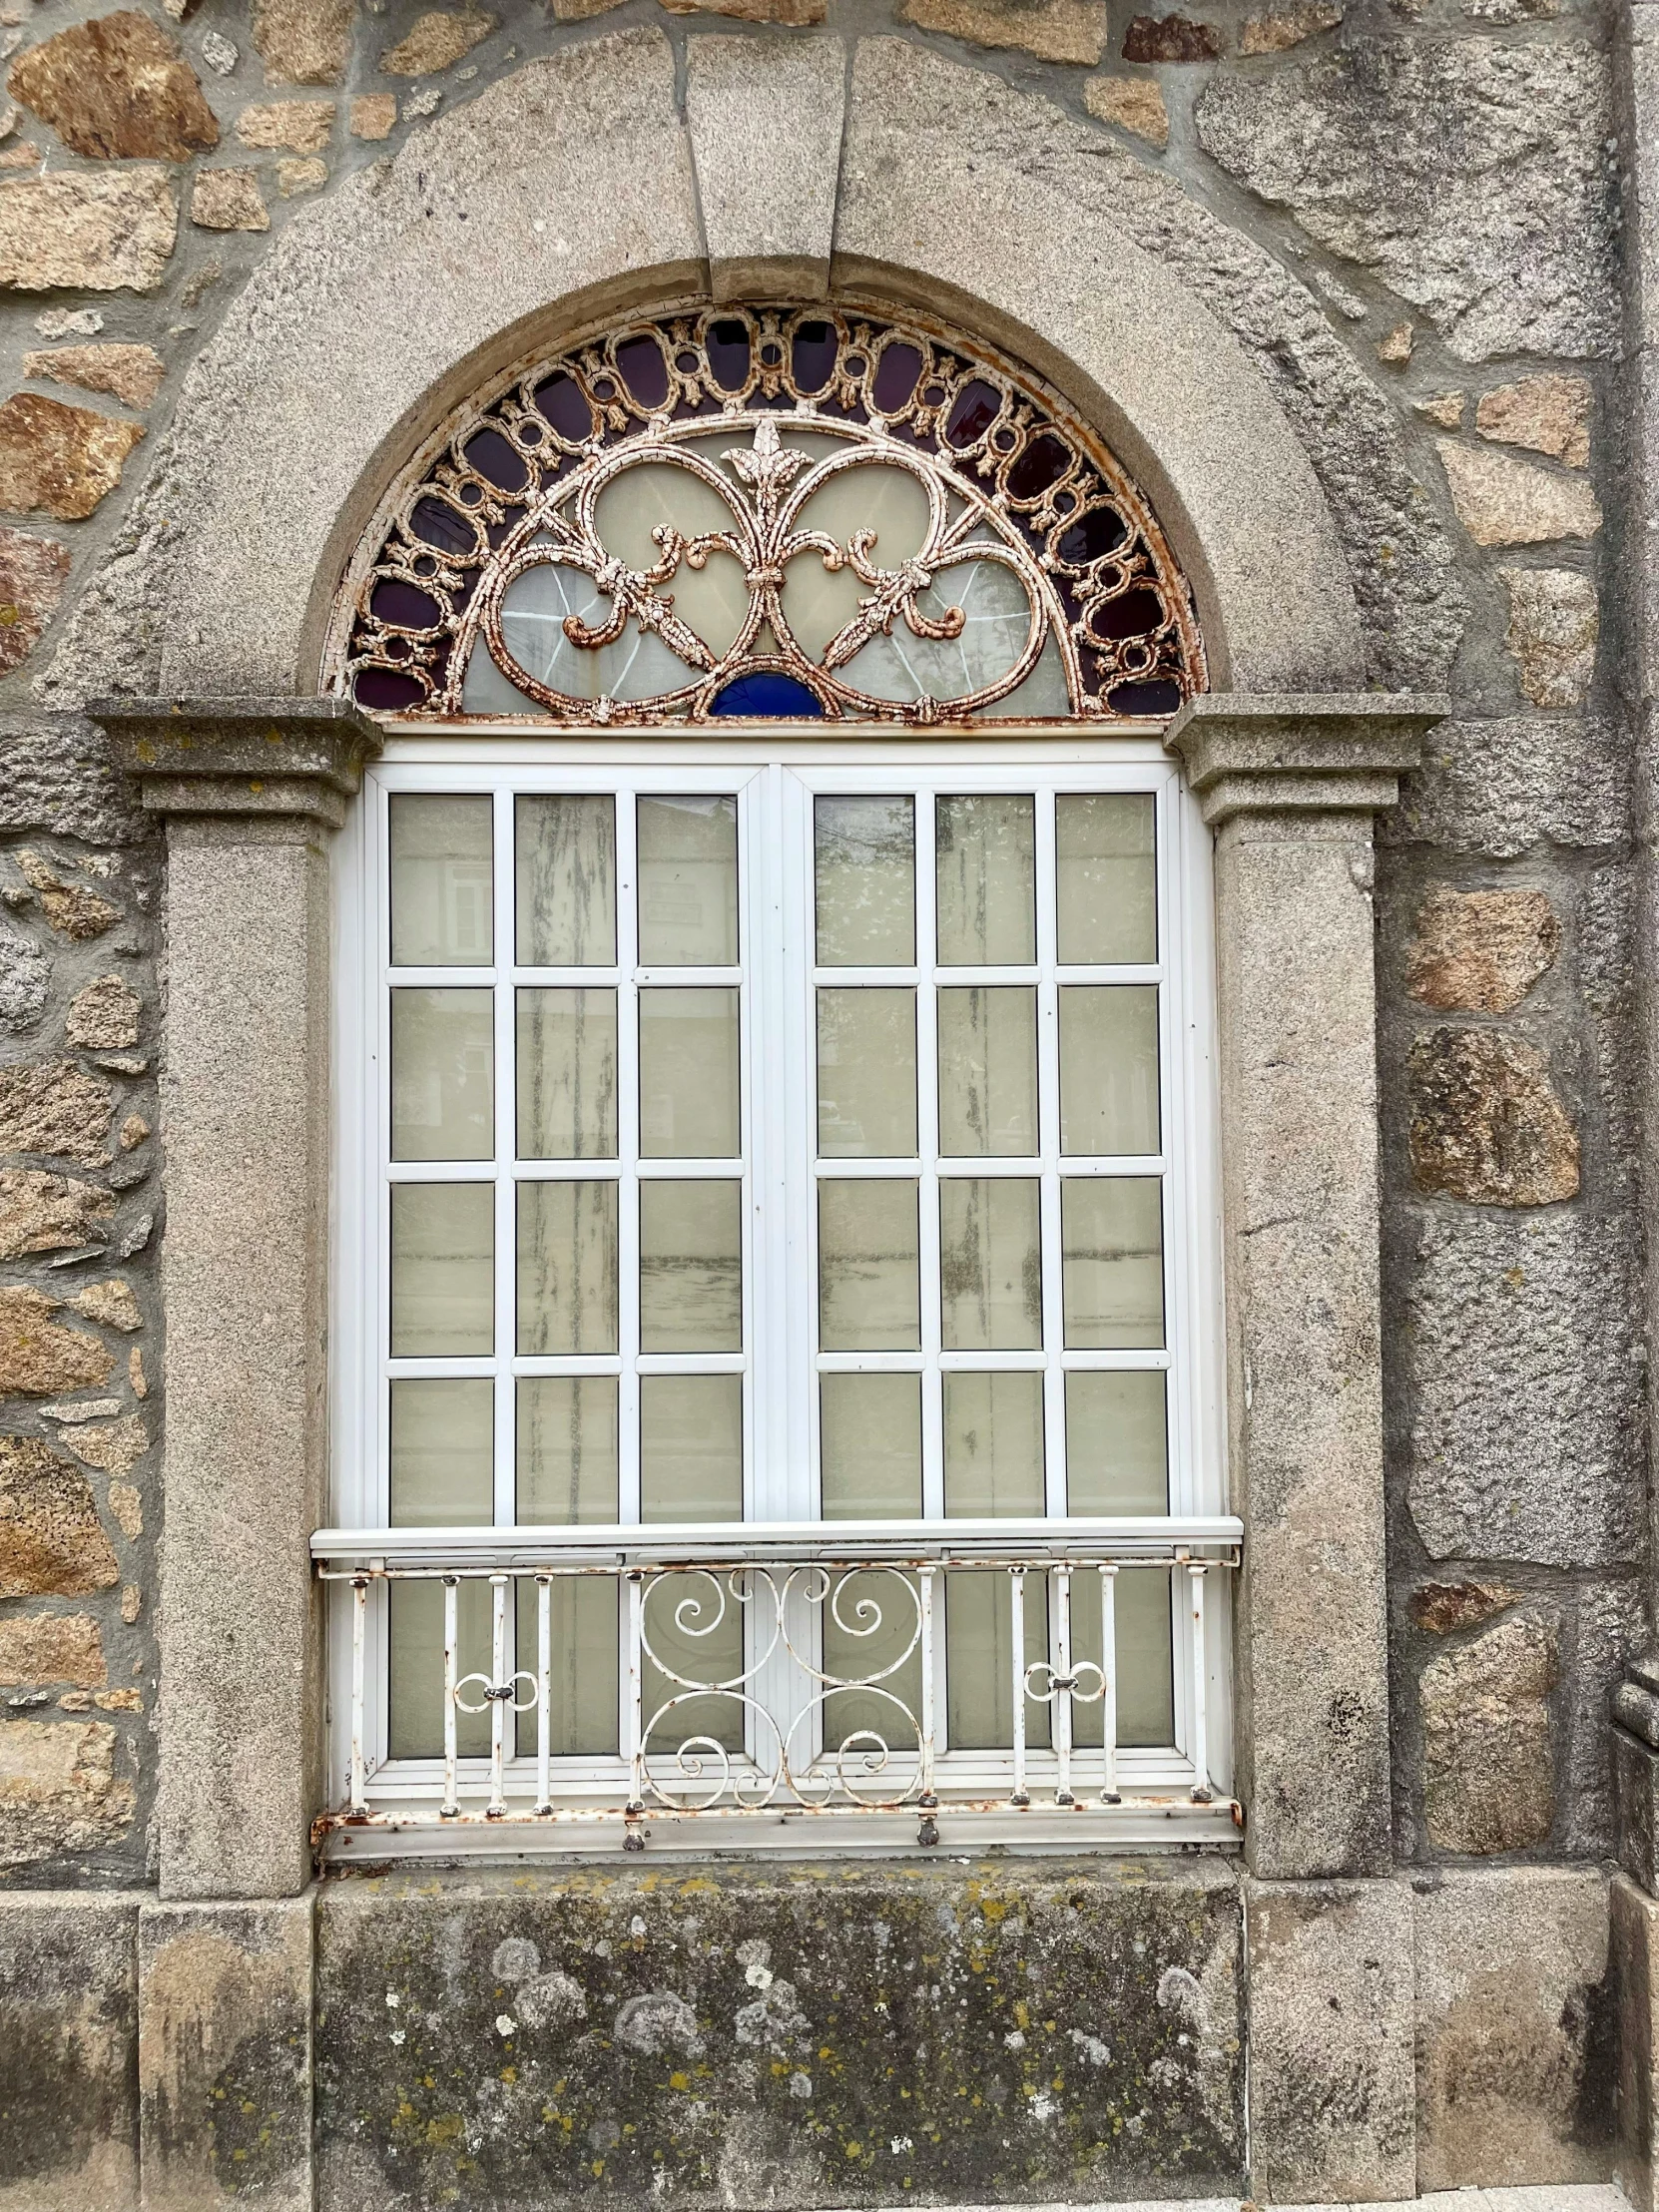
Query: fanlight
[768,511]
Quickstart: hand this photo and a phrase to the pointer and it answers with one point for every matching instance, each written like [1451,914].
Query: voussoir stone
[59,1791]
[1548,415]
[1554,627]
[1481,952]
[130,372]
[88,231]
[436,40]
[1503,501]
[55,1108]
[1132,102]
[1486,1125]
[52,1543]
[33,573]
[304,42]
[1489,1774]
[39,1355]
[115,89]
[50,1213]
[51,1647]
[1170,38]
[1054,30]
[60,458]
[1468,174]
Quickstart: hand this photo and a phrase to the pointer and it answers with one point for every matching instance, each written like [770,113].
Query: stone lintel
[301,757]
[1270,753]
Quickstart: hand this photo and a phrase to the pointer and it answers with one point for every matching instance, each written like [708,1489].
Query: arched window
[777,1311]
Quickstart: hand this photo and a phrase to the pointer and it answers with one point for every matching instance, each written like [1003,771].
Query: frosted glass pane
[979,1660]
[415,1720]
[688,1075]
[442,1454]
[688,882]
[865,872]
[567,1450]
[1146,1674]
[1116,1442]
[693,1626]
[871,1447]
[440,881]
[583,1664]
[996,626]
[1113,1276]
[534,608]
[567,1075]
[986,846]
[1106,888]
[442,1075]
[990,1264]
[712,600]
[691,1447]
[1109,1068]
[871,1635]
[871,495]
[566,883]
[690,1266]
[442,1269]
[567,1267]
[866,1074]
[993,1446]
[868,1268]
[987,1072]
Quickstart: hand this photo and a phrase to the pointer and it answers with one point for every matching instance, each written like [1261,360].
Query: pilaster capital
[263,758]
[1286,751]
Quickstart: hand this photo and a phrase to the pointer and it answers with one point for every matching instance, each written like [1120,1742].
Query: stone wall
[1409,216]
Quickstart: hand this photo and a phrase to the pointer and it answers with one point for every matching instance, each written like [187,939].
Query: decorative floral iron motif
[1037,582]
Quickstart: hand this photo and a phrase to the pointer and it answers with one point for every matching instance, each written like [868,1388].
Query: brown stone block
[1445,1607]
[1053,30]
[1170,38]
[112,1447]
[1488,1748]
[61,458]
[1282,28]
[52,1543]
[52,1106]
[33,572]
[116,89]
[69,2051]
[1554,624]
[39,1355]
[1486,1125]
[296,126]
[1481,952]
[59,1791]
[51,1648]
[304,42]
[373,115]
[130,372]
[98,231]
[71,909]
[50,1213]
[104,1016]
[1551,415]
[436,40]
[229,200]
[1502,501]
[111,1302]
[1132,102]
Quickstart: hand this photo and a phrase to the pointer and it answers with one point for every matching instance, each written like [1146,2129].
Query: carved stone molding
[1266,754]
[258,756]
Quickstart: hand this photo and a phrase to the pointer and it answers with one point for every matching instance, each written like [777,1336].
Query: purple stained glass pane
[1131,615]
[728,349]
[976,408]
[815,346]
[560,400]
[1095,533]
[1145,699]
[400,603]
[384,692]
[895,378]
[1043,463]
[644,370]
[494,459]
[435,522]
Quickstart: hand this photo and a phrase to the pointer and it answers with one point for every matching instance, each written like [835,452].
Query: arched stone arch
[578,189]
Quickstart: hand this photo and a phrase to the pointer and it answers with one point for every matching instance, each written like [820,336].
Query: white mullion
[374,973]
[791,1288]
[628,1152]
[504,877]
[1048,1151]
[927,1139]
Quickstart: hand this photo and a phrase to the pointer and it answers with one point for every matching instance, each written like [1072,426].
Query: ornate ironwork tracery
[999,564]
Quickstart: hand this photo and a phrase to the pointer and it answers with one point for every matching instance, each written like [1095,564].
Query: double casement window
[768,1170]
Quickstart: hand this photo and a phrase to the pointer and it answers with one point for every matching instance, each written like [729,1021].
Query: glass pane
[694,1628]
[1112,1231]
[441,895]
[988,1072]
[868,1268]
[1106,886]
[993,1446]
[871,1447]
[996,613]
[691,1447]
[567,1450]
[865,858]
[990,1264]
[1146,1673]
[442,1075]
[871,1633]
[442,1454]
[442,1269]
[979,1660]
[690,1266]
[688,1075]
[1116,1442]
[988,872]
[583,1668]
[567,1075]
[566,882]
[567,1267]
[688,882]
[1109,1068]
[866,1074]
[415,1720]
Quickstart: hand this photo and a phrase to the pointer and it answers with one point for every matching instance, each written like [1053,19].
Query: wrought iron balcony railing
[817,1692]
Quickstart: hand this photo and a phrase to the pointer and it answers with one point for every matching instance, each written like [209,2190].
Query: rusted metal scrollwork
[990,557]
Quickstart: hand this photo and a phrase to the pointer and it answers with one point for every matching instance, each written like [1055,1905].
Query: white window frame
[779,1435]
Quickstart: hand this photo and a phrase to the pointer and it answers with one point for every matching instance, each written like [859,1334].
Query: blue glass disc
[766,693]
